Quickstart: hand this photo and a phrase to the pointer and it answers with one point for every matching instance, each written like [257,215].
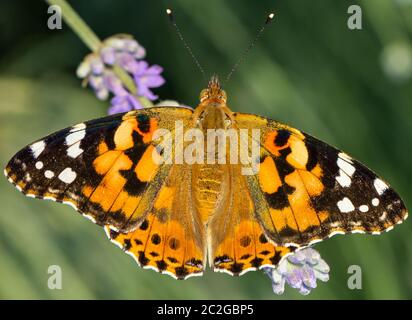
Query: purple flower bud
[312,256]
[96,66]
[102,94]
[297,258]
[279,288]
[83,70]
[308,276]
[127,62]
[108,55]
[303,290]
[115,42]
[140,53]
[114,84]
[294,279]
[96,82]
[130,45]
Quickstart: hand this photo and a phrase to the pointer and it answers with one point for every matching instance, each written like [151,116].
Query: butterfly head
[213,94]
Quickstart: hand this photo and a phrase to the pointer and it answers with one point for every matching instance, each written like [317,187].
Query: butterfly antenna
[172,20]
[269,19]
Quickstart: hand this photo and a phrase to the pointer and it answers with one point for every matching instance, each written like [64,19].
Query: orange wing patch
[126,170]
[142,125]
[289,187]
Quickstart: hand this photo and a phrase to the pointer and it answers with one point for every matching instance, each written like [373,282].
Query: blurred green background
[352,89]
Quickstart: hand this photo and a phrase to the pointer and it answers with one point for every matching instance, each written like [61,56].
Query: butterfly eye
[223,96]
[204,94]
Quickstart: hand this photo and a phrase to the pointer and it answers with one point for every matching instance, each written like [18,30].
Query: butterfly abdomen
[207,186]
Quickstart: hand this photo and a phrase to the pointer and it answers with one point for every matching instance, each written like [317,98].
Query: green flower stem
[87,35]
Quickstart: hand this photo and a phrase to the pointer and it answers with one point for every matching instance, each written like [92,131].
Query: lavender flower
[125,52]
[300,271]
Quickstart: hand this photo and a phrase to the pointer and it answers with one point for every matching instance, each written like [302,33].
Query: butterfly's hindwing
[170,240]
[237,240]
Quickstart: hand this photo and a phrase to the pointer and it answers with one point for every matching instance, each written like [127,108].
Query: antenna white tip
[169,11]
[270,17]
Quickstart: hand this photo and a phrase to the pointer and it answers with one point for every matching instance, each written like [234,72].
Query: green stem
[77,24]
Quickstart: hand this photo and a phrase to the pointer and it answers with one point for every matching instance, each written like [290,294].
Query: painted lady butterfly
[175,217]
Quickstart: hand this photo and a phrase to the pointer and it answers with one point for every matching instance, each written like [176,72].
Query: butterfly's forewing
[103,168]
[306,190]
[171,239]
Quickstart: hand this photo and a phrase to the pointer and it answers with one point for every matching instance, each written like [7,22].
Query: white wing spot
[67,175]
[344,156]
[39,165]
[51,190]
[80,126]
[71,204]
[336,224]
[343,179]
[37,148]
[346,167]
[335,233]
[74,137]
[48,174]
[74,151]
[383,216]
[364,208]
[49,198]
[389,229]
[345,205]
[358,231]
[380,186]
[375,202]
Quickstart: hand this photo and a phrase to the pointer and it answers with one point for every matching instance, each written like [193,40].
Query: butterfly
[176,218]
